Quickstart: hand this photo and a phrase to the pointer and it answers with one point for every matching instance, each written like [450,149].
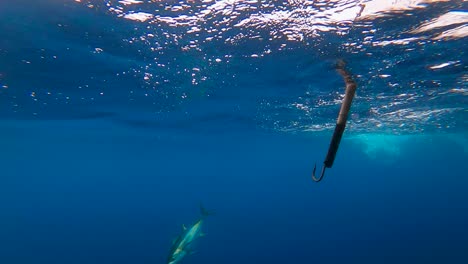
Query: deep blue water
[111,139]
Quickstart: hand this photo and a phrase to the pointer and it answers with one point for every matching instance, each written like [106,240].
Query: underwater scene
[233,131]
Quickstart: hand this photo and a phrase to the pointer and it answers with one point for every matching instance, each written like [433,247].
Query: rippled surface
[267,64]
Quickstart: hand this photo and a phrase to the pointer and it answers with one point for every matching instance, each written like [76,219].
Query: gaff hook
[341,121]
[321,174]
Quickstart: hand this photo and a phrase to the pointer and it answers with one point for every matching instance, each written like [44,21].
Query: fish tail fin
[205,212]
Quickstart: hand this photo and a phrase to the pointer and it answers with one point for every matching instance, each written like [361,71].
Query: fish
[182,245]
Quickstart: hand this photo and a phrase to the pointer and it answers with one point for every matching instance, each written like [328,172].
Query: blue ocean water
[119,118]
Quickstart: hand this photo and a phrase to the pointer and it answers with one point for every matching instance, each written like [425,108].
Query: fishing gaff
[341,121]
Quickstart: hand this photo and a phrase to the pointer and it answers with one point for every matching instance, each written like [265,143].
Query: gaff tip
[321,174]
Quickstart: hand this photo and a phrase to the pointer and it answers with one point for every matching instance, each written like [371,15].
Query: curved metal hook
[321,175]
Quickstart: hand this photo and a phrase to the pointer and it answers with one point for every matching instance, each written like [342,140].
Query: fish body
[182,245]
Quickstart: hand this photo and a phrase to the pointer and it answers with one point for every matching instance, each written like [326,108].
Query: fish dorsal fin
[175,240]
[184,227]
